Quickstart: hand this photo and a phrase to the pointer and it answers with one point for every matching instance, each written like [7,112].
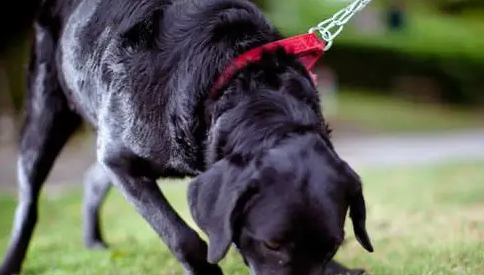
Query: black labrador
[268,179]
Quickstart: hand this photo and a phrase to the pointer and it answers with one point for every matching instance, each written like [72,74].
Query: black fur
[139,72]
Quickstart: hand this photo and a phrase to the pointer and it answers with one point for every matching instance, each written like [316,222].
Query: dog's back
[136,47]
[86,36]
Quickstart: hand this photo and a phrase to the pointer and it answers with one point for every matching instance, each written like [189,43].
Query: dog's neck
[265,104]
[245,142]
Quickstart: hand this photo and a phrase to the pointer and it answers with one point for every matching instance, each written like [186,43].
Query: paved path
[358,151]
[412,149]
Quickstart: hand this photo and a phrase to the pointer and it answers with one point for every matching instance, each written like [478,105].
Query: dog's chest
[78,70]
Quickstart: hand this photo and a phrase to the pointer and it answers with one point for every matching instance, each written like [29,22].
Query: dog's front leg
[125,171]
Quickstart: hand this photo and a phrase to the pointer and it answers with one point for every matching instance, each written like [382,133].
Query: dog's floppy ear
[358,218]
[217,198]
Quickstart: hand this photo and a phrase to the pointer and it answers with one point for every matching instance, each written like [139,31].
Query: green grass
[384,114]
[423,221]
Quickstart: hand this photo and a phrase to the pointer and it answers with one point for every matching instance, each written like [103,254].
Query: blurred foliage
[445,48]
[15,20]
[427,32]
[14,60]
[458,6]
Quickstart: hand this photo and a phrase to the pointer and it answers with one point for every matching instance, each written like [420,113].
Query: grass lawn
[425,220]
[384,114]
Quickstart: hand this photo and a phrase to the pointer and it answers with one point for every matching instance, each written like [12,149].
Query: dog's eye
[272,245]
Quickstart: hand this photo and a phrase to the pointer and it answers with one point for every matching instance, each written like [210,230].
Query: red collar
[308,48]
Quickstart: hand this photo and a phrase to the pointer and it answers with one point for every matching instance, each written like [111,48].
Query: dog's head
[284,209]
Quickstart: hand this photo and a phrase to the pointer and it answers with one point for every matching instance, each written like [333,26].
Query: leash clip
[330,28]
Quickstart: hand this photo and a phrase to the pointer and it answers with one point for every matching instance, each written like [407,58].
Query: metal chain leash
[333,26]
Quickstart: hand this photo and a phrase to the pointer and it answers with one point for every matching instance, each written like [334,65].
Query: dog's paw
[347,272]
[353,272]
[358,272]
[208,269]
[335,268]
[6,270]
[96,245]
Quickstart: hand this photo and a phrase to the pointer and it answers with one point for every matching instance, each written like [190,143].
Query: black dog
[140,72]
